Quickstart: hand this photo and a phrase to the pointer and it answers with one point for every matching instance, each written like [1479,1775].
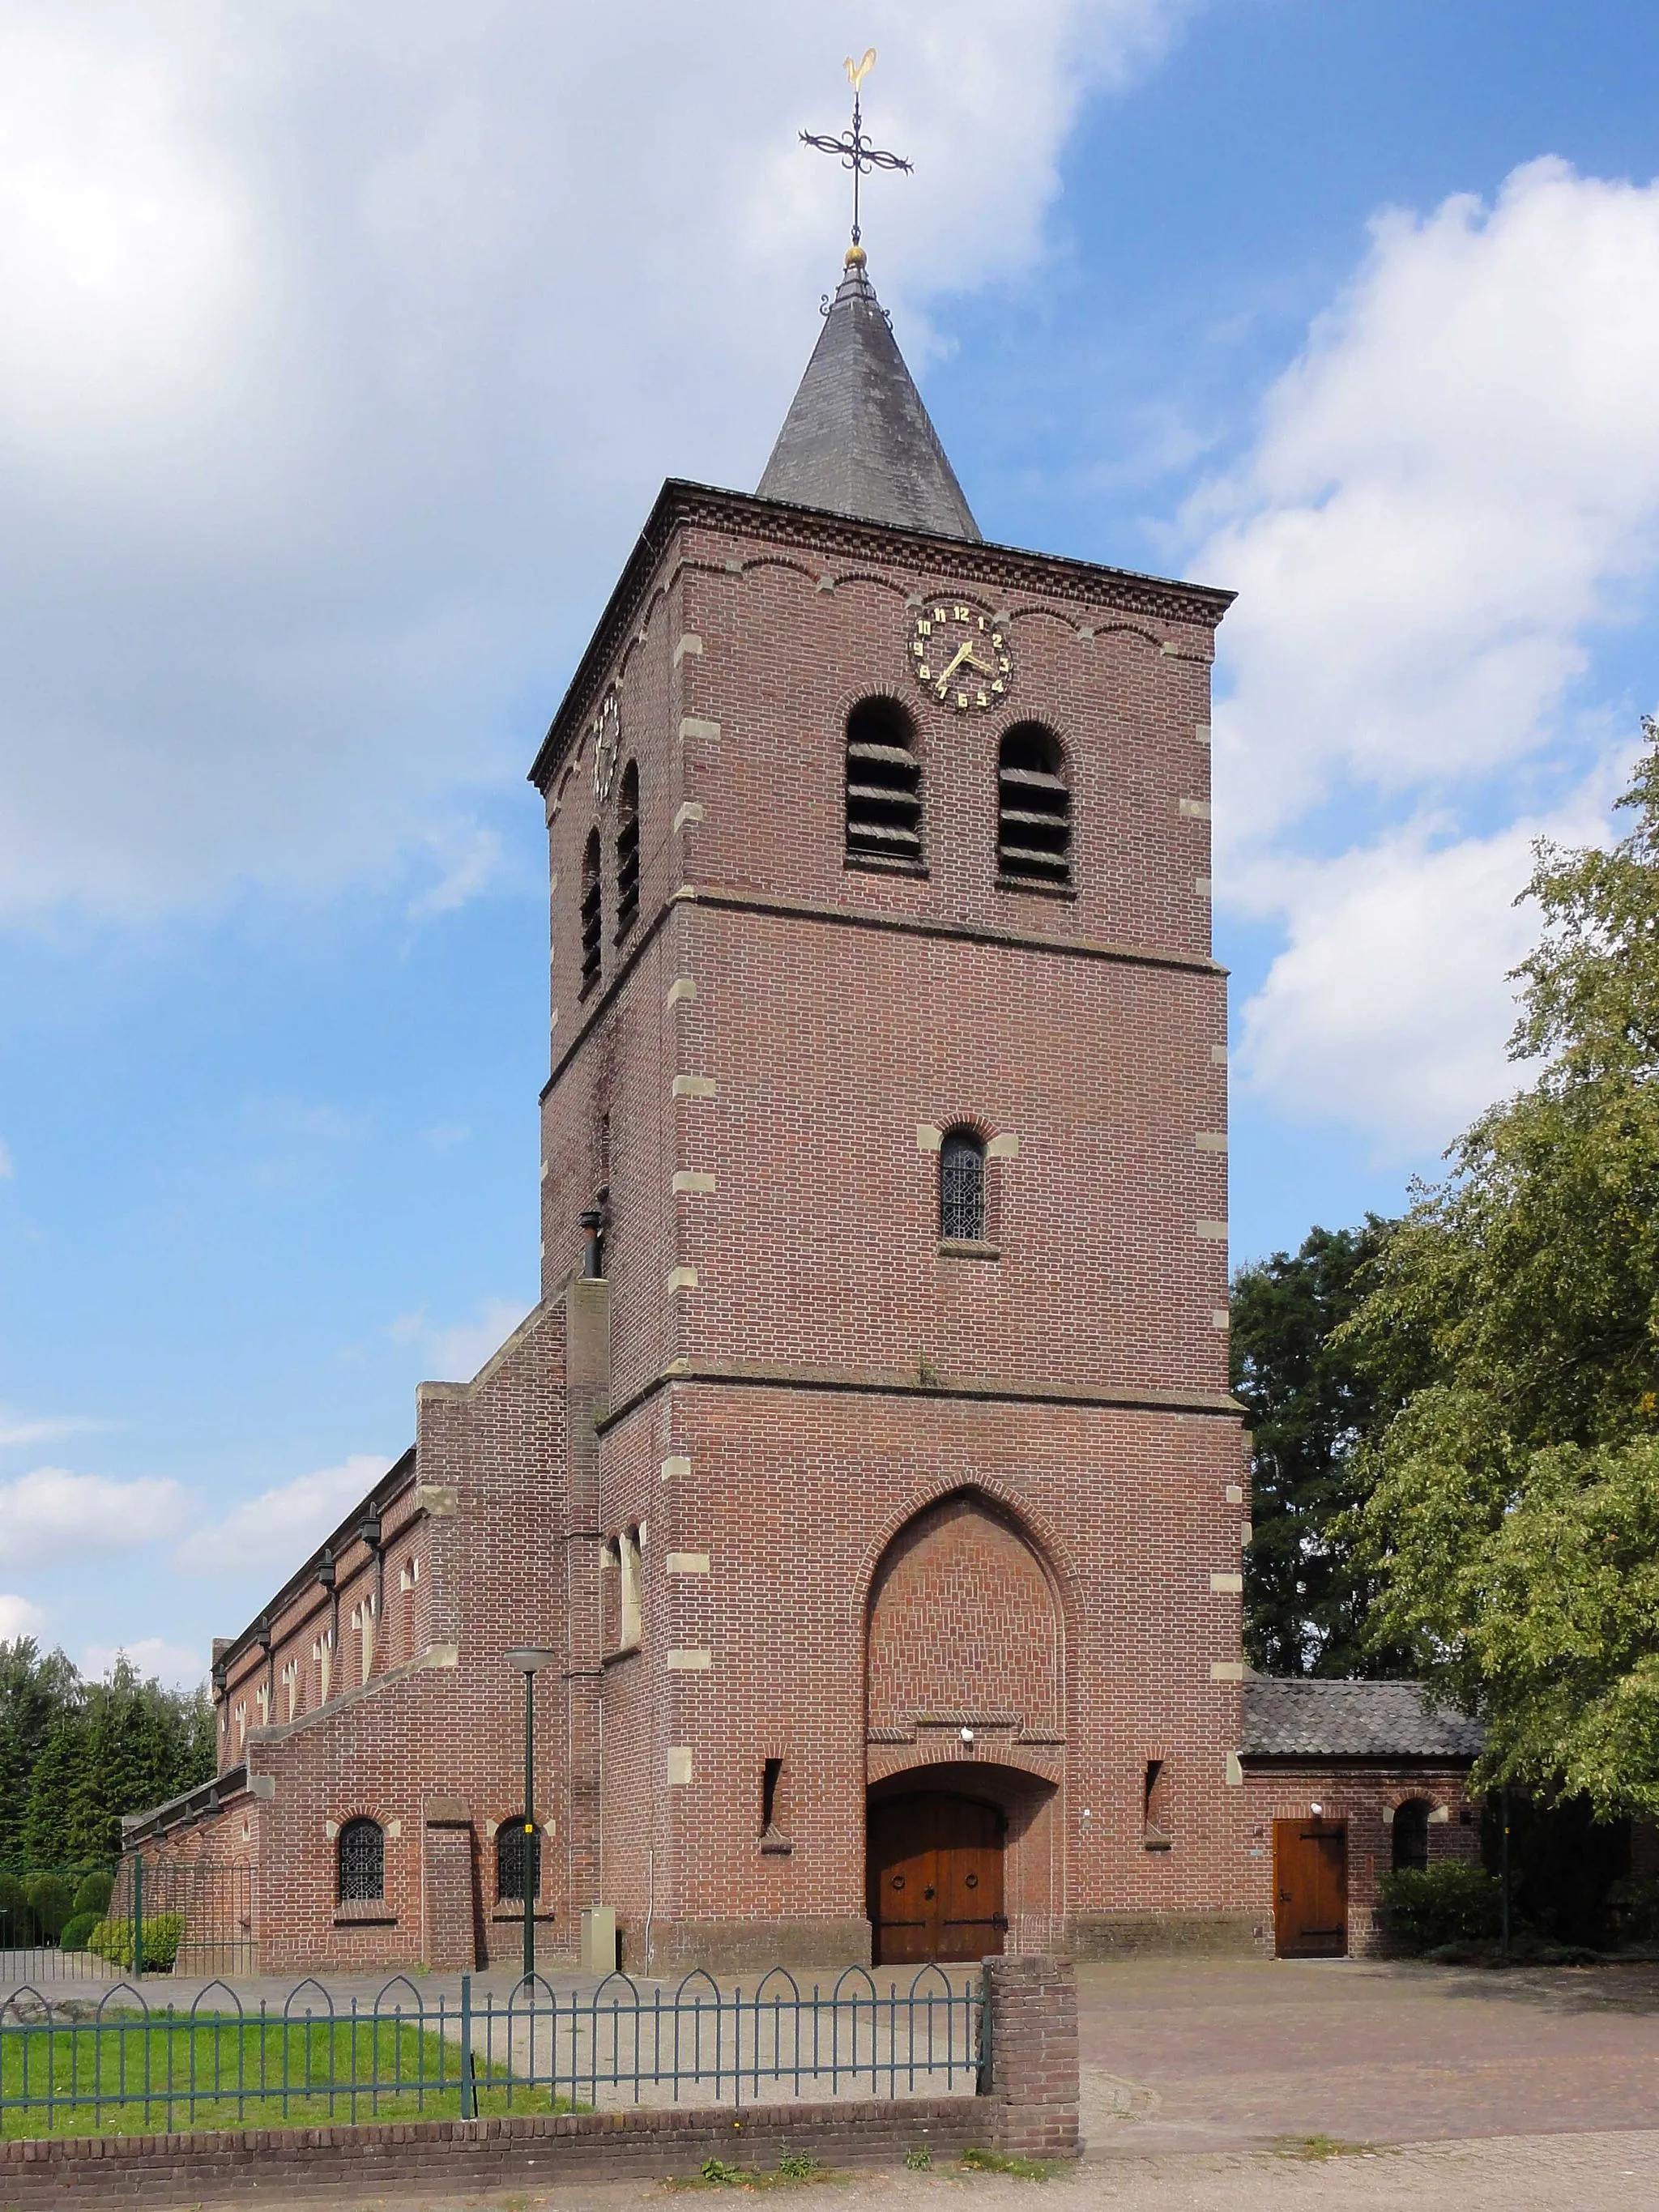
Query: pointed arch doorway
[935,1877]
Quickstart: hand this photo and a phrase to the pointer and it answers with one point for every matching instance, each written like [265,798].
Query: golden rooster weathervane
[854,150]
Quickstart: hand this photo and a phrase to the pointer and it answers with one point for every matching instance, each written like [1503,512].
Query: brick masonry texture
[459,2158]
[937,1490]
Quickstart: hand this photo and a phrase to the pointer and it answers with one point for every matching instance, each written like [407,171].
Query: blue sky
[343,358]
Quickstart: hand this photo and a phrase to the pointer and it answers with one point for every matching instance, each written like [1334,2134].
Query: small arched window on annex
[592,914]
[962,1187]
[1411,1835]
[628,850]
[1034,809]
[360,1862]
[884,786]
[516,1841]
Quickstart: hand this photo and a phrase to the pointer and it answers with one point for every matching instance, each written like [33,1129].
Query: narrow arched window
[884,784]
[593,912]
[517,1843]
[962,1187]
[1034,807]
[362,1862]
[1411,1835]
[628,850]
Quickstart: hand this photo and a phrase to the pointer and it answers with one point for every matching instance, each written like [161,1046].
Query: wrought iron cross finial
[854,150]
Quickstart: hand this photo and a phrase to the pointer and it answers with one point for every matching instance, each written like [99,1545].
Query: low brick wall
[460,2158]
[1030,2108]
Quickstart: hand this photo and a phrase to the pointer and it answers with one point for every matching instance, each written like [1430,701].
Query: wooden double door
[1310,1889]
[935,1878]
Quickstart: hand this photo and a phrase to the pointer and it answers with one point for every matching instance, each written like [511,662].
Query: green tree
[36,1689]
[1513,1506]
[1307,1598]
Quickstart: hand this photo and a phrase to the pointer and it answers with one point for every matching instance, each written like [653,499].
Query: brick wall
[1366,1797]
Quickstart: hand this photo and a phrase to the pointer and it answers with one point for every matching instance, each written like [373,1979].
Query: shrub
[94,1893]
[52,1901]
[75,1931]
[1451,1902]
[1634,1905]
[16,1921]
[112,1940]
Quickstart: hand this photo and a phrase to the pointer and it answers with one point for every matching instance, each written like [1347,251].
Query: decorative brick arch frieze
[1053,1556]
[964,1636]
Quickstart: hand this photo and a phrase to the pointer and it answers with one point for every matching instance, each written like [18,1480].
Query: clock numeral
[997,686]
[961,614]
[941,688]
[1002,663]
[925,629]
[981,621]
[926,673]
[918,648]
[961,698]
[938,614]
[996,638]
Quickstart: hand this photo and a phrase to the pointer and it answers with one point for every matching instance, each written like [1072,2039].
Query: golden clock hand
[963,653]
[984,667]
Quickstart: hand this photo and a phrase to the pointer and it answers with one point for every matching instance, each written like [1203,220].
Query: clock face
[960,656]
[607,743]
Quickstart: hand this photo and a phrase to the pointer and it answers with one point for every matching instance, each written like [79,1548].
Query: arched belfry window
[362,1862]
[962,1187]
[514,1846]
[884,783]
[1034,807]
[1411,1835]
[593,912]
[627,849]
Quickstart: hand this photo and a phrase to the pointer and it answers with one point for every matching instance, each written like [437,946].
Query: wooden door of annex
[935,1878]
[1310,1888]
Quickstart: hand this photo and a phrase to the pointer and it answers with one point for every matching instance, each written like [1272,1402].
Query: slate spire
[857,439]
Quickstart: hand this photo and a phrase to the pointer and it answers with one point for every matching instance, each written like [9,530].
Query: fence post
[138,1914]
[1030,2006]
[469,2097]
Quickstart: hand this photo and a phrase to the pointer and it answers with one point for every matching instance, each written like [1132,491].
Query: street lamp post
[529,1659]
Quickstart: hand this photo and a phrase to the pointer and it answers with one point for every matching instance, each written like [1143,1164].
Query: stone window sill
[627,1651]
[1155,1842]
[962,1248]
[776,1846]
[512,1916]
[1033,887]
[378,1916]
[877,864]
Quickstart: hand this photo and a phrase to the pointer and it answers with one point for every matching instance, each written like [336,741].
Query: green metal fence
[125,2068]
[163,1916]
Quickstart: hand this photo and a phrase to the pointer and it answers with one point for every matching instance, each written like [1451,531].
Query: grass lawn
[160,2076]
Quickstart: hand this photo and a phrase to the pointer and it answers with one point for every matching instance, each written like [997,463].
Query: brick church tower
[867,1473]
[900,1576]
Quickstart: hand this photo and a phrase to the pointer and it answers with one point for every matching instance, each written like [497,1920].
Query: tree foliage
[1307,1598]
[75,1755]
[1513,1506]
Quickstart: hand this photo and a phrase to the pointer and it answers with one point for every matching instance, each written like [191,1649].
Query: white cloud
[344,348]
[271,1533]
[51,1515]
[19,1617]
[1459,476]
[173,1664]
[458,1353]
[1453,486]
[15,1429]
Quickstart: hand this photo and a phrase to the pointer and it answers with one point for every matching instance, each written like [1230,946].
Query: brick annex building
[868,1469]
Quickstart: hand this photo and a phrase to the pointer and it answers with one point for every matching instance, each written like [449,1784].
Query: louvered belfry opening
[1034,806]
[628,850]
[884,783]
[593,912]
